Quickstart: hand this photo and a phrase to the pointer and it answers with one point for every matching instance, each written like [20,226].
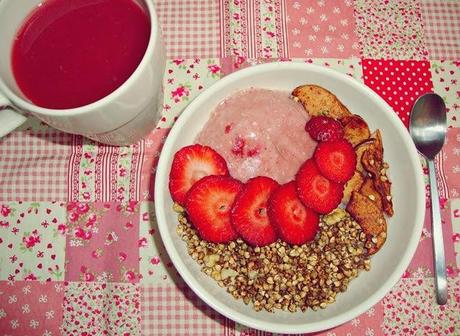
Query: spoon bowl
[428,124]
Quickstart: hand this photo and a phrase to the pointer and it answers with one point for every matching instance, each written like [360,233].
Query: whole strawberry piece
[190,164]
[295,223]
[323,128]
[208,206]
[316,191]
[249,213]
[336,160]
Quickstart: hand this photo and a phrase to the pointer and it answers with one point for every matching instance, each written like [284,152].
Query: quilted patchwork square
[34,166]
[411,309]
[31,308]
[399,83]
[155,265]
[179,311]
[321,29]
[32,245]
[442,26]
[390,29]
[190,28]
[102,242]
[185,79]
[104,173]
[253,28]
[101,309]
[446,83]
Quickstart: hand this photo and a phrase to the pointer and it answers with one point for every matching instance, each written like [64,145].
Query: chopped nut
[281,251]
[216,275]
[177,208]
[253,274]
[294,253]
[335,216]
[228,273]
[210,260]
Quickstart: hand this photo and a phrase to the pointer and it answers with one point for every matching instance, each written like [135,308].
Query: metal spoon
[428,130]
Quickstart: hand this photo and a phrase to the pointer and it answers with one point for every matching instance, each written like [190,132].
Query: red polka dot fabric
[399,83]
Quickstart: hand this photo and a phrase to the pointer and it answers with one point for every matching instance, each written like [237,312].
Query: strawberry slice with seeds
[208,206]
[190,164]
[249,213]
[336,160]
[295,223]
[316,191]
[322,128]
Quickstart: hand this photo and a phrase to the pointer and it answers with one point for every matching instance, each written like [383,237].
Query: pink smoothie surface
[259,132]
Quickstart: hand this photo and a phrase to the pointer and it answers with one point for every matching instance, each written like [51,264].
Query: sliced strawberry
[295,223]
[323,128]
[208,205]
[249,213]
[190,164]
[336,160]
[316,191]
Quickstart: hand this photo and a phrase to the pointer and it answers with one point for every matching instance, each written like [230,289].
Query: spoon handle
[438,242]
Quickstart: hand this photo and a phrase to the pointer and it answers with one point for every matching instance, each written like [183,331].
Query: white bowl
[404,228]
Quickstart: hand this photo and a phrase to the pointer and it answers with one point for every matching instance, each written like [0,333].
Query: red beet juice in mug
[69,53]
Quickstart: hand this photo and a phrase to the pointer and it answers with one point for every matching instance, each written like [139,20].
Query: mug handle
[9,118]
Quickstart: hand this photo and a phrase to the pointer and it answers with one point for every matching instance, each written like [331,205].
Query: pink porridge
[259,132]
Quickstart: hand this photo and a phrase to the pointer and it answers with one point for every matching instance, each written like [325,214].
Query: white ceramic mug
[122,117]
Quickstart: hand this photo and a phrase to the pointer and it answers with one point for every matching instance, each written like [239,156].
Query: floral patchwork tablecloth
[80,253]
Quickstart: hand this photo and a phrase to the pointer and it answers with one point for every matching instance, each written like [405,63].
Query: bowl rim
[161,181]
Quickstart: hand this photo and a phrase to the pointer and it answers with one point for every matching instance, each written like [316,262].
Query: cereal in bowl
[283,201]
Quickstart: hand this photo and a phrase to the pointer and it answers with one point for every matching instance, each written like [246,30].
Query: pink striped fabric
[253,28]
[105,176]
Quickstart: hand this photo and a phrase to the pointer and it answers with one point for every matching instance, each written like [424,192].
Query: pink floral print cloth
[101,309]
[102,242]
[31,307]
[322,29]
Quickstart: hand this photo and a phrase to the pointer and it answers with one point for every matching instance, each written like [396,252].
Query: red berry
[190,164]
[208,206]
[316,191]
[336,160]
[323,128]
[249,213]
[295,223]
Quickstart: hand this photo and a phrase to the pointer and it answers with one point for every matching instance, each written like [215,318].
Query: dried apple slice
[372,161]
[354,184]
[319,101]
[355,129]
[370,218]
